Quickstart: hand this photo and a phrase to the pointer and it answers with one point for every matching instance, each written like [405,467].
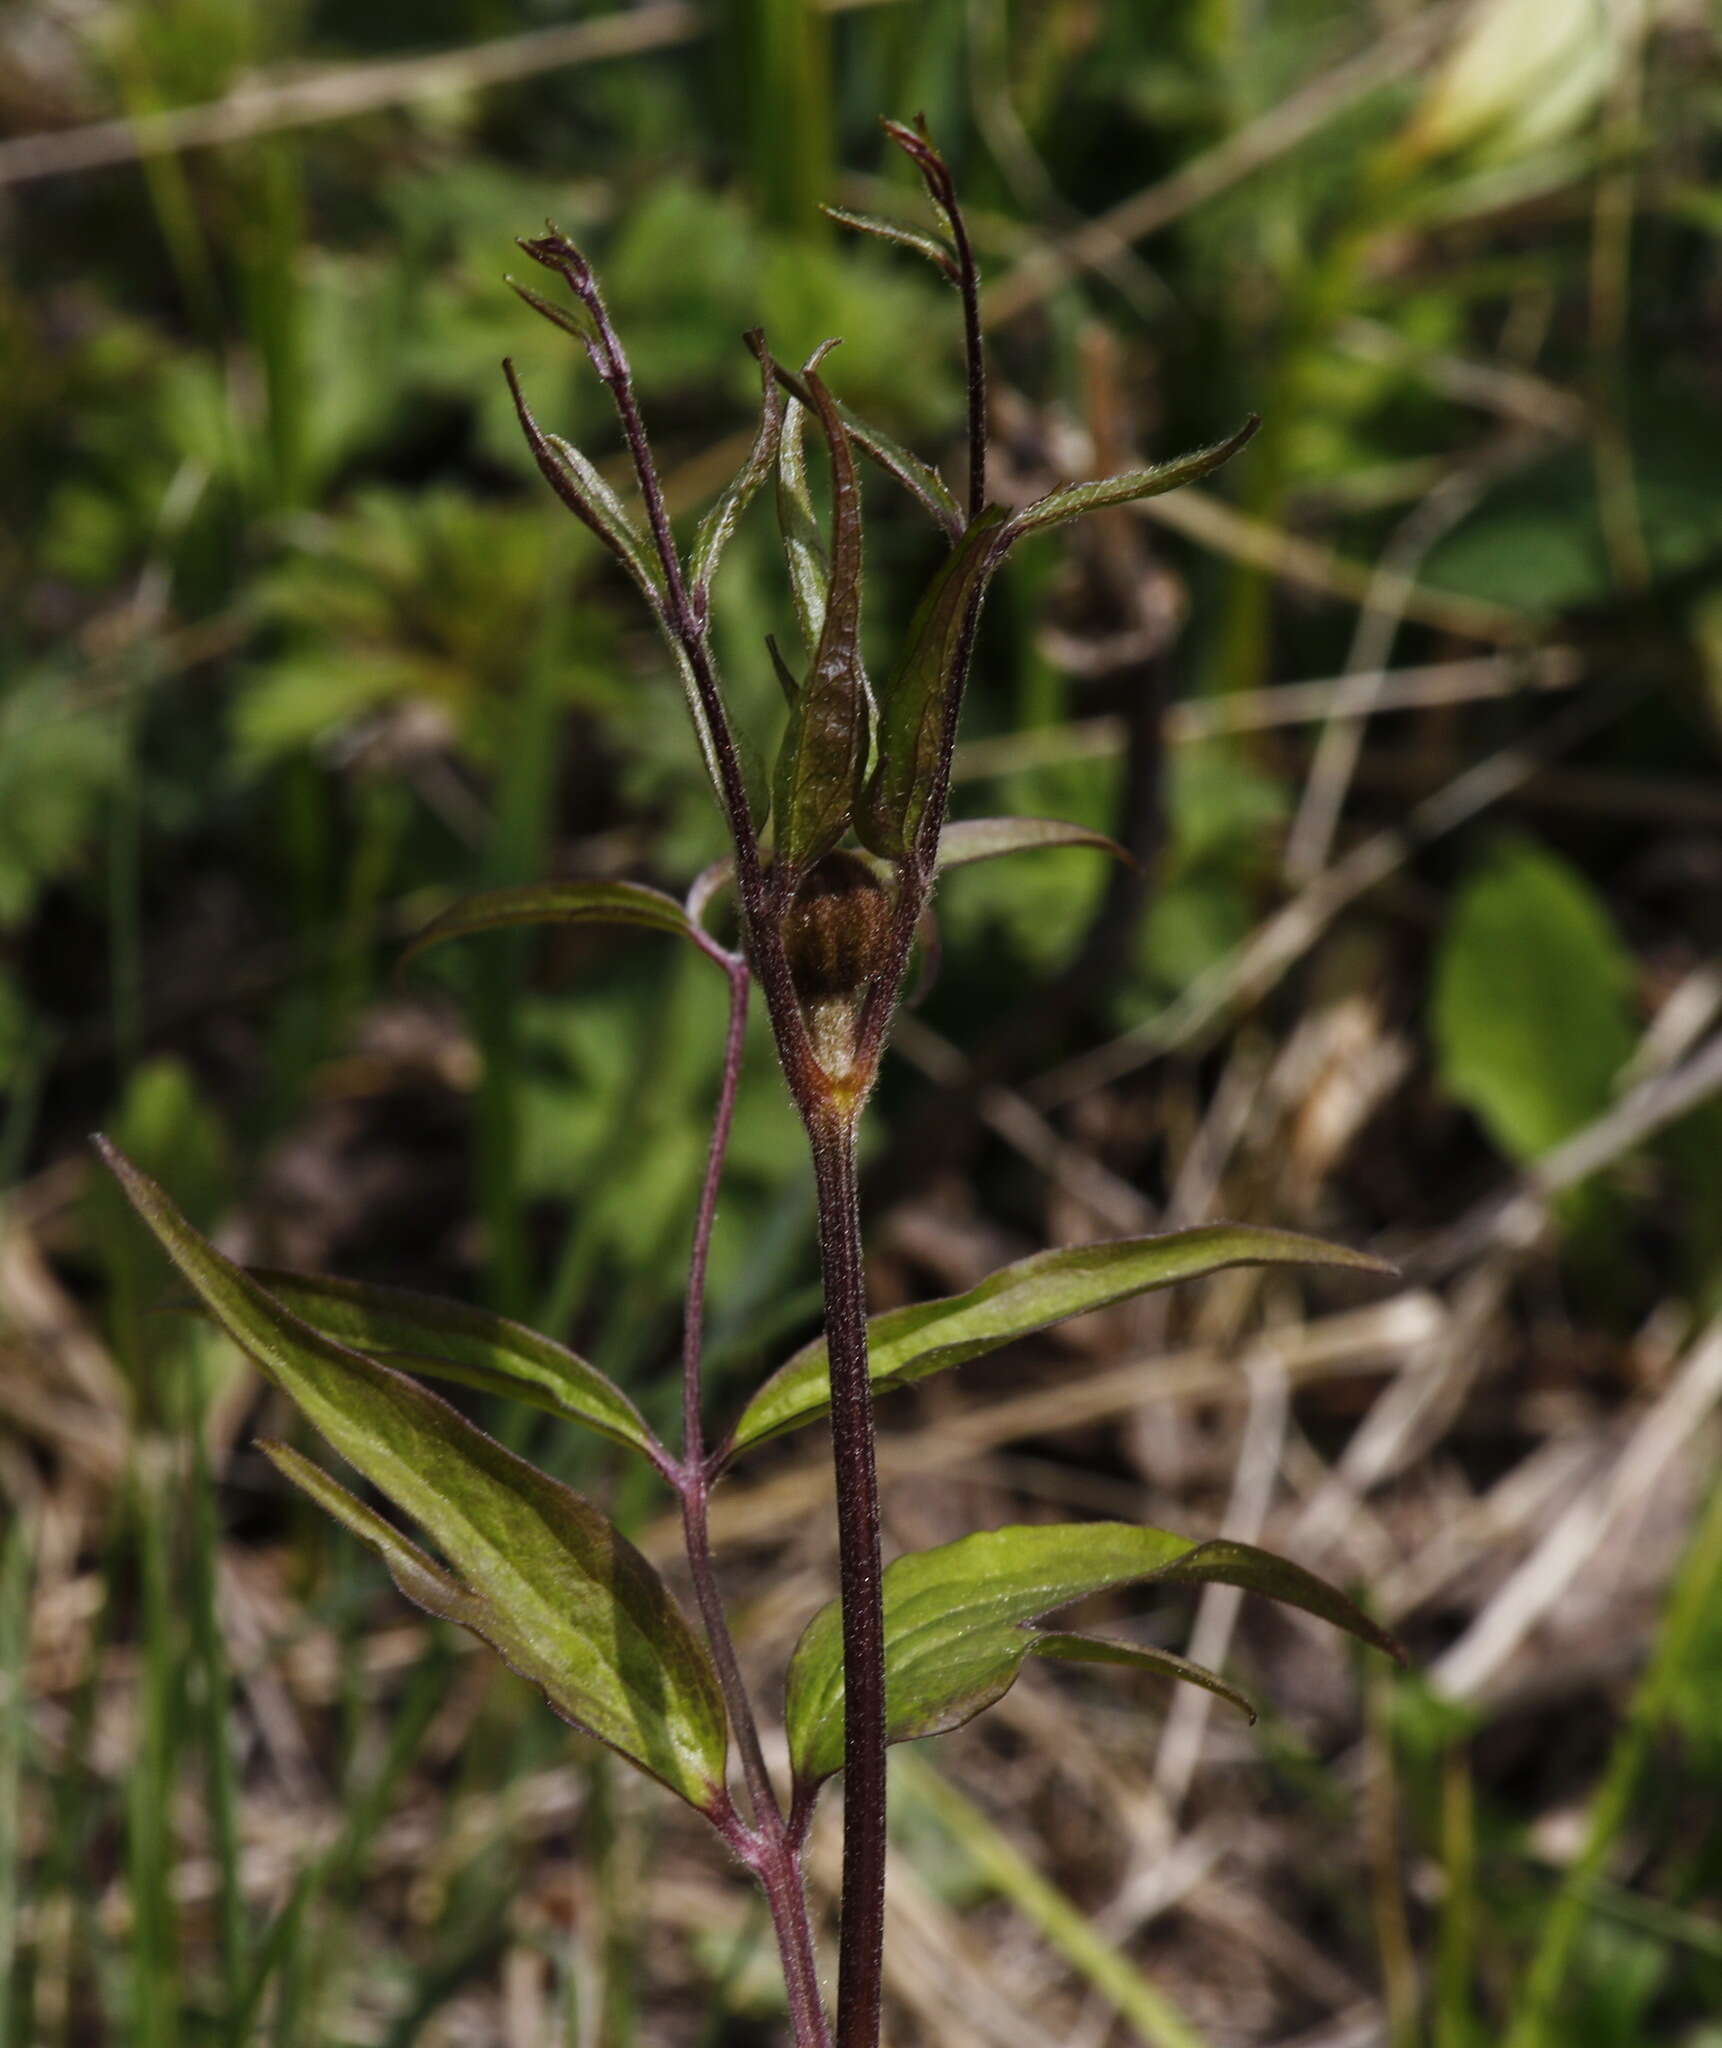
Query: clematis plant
[834,859]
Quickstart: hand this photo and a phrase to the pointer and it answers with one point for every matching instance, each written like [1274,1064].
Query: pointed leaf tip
[956,1618]
[907,1344]
[919,702]
[1072,501]
[977,839]
[566,903]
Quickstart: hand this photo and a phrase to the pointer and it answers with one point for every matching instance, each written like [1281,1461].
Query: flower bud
[836,929]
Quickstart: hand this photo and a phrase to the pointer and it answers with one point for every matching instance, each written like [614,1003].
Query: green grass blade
[1536,2020]
[1057,1919]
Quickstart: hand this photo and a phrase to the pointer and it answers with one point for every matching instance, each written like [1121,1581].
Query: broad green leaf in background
[537,1571]
[915,703]
[455,1341]
[973,839]
[56,776]
[1074,501]
[907,1344]
[824,750]
[1532,1014]
[955,1623]
[555,903]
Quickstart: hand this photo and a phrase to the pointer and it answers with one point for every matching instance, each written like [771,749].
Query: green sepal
[916,703]
[824,750]
[804,551]
[720,523]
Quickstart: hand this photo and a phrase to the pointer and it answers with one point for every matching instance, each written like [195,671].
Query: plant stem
[695,1479]
[770,1850]
[974,355]
[861,1945]
[779,1873]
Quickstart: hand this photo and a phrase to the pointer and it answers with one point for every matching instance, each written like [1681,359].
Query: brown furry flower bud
[835,931]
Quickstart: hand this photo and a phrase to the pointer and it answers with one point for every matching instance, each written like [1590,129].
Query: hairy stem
[861,1945]
[610,360]
[694,1482]
[785,1889]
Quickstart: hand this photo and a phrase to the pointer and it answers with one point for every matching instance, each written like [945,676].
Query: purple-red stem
[829,1107]
[769,1848]
[862,1936]
[775,1861]
[695,1480]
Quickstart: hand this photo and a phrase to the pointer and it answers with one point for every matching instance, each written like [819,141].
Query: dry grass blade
[1294,120]
[1256,966]
[268,106]
[1670,1426]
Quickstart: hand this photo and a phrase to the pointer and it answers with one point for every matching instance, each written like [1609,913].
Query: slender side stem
[774,1858]
[695,1478]
[779,1872]
[609,359]
[862,1940]
[770,1849]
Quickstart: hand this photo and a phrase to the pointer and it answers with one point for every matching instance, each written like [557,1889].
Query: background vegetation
[1414,718]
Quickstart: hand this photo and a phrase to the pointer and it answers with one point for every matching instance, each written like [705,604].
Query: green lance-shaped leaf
[574,480]
[914,707]
[720,523]
[906,1344]
[1072,501]
[590,499]
[956,1634]
[935,248]
[787,680]
[452,1340]
[541,1574]
[804,551]
[555,903]
[923,483]
[824,750]
[973,839]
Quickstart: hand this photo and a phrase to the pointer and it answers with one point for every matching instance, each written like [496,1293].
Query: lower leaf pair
[548,1581]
